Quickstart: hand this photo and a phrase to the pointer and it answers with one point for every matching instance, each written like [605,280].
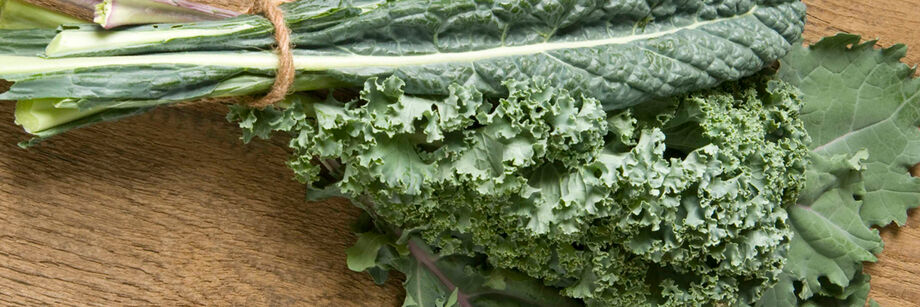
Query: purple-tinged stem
[427,260]
[116,13]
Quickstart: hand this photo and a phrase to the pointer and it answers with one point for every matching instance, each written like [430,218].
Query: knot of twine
[284,77]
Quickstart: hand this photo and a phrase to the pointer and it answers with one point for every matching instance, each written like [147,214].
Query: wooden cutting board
[169,208]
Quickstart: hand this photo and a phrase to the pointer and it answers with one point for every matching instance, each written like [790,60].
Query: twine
[284,77]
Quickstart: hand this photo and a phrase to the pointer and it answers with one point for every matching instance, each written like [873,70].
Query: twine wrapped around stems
[284,77]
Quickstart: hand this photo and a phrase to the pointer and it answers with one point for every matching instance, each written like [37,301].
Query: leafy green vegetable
[861,98]
[830,241]
[445,280]
[545,152]
[588,47]
[673,202]
[24,42]
[647,64]
[46,117]
[862,108]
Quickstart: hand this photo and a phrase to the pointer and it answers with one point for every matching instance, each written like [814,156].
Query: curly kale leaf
[675,202]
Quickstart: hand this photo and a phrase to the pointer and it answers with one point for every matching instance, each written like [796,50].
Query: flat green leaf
[831,241]
[443,280]
[620,52]
[861,98]
[453,280]
[363,255]
[780,295]
[854,295]
[28,42]
[862,110]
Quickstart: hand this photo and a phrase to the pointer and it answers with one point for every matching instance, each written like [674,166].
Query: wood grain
[889,21]
[169,208]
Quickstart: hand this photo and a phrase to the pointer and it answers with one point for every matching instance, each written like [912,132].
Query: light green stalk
[16,14]
[40,114]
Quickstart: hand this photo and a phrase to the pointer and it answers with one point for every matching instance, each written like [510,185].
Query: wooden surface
[169,208]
